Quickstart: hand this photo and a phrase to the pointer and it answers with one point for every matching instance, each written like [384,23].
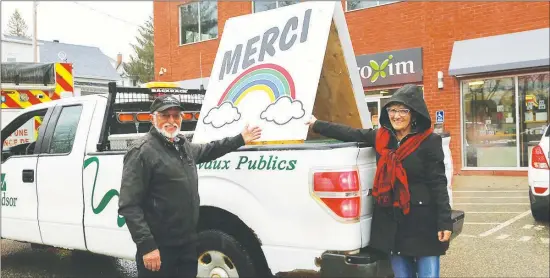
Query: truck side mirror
[5,155]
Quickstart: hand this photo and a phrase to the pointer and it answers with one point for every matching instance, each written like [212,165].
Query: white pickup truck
[265,210]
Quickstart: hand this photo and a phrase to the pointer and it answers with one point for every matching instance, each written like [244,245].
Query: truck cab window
[20,135]
[65,130]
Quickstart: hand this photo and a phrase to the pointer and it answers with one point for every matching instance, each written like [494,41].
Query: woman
[412,216]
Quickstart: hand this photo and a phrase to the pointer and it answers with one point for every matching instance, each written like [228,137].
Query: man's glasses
[167,116]
[400,112]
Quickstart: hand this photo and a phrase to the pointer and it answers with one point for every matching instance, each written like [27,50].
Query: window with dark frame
[260,6]
[65,130]
[28,125]
[198,21]
[352,5]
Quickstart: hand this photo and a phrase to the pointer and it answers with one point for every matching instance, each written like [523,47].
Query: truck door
[21,140]
[60,195]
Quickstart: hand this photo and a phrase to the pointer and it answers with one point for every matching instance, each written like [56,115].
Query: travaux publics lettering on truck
[291,203]
[272,162]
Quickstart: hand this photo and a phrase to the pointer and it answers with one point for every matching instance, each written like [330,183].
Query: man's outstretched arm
[215,149]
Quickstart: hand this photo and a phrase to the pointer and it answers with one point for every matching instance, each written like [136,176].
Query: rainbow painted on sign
[272,79]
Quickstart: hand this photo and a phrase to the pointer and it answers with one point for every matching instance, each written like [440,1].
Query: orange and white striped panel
[37,123]
[24,98]
[63,78]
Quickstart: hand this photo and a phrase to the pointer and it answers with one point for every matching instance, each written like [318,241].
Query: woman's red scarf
[390,169]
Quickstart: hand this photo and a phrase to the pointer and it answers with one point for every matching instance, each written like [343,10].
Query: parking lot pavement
[19,260]
[500,238]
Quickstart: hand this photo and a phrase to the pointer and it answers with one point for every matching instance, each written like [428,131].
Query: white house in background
[16,49]
[92,69]
[125,79]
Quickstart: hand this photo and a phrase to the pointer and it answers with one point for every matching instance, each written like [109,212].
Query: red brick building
[492,57]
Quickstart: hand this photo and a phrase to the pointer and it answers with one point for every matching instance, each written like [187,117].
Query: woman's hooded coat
[414,234]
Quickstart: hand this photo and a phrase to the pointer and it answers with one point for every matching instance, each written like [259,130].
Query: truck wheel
[221,255]
[539,214]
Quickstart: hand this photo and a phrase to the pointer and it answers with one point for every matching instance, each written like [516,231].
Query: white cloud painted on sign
[283,110]
[223,115]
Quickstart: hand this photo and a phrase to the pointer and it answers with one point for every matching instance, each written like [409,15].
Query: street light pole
[34,39]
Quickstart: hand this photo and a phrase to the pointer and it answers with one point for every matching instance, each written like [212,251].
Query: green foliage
[141,66]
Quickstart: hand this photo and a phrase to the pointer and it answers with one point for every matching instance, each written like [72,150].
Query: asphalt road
[19,260]
[499,239]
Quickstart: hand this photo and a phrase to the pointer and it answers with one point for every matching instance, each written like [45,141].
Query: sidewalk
[492,182]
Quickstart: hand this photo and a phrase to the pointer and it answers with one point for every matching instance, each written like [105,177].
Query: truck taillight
[339,192]
[538,160]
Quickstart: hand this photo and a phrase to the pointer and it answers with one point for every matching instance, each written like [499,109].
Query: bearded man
[159,191]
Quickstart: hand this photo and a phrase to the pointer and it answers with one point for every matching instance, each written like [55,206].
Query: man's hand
[444,235]
[251,134]
[311,121]
[151,260]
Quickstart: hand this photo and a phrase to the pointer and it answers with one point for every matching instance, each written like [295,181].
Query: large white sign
[268,73]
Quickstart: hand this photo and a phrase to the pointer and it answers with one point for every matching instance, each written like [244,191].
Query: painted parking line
[537,227]
[505,224]
[494,212]
[507,237]
[467,235]
[504,236]
[491,204]
[488,191]
[488,197]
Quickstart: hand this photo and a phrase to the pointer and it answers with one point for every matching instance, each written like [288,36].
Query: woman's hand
[444,235]
[311,121]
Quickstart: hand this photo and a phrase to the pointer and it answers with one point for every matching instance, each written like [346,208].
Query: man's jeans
[405,267]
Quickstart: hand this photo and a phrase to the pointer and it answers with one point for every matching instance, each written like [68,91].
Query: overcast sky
[109,25]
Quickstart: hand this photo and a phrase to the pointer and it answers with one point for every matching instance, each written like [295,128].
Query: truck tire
[539,213]
[221,255]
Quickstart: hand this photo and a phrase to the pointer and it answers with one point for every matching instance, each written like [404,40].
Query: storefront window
[493,121]
[489,111]
[533,95]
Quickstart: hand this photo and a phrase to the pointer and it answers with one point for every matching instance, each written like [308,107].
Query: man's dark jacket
[159,191]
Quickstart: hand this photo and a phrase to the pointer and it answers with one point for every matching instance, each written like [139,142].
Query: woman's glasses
[400,112]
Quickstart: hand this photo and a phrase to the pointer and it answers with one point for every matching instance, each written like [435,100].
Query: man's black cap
[164,102]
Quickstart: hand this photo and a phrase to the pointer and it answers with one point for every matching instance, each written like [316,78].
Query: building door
[21,139]
[60,193]
[375,103]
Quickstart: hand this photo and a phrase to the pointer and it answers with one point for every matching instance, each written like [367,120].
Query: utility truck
[291,203]
[27,84]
